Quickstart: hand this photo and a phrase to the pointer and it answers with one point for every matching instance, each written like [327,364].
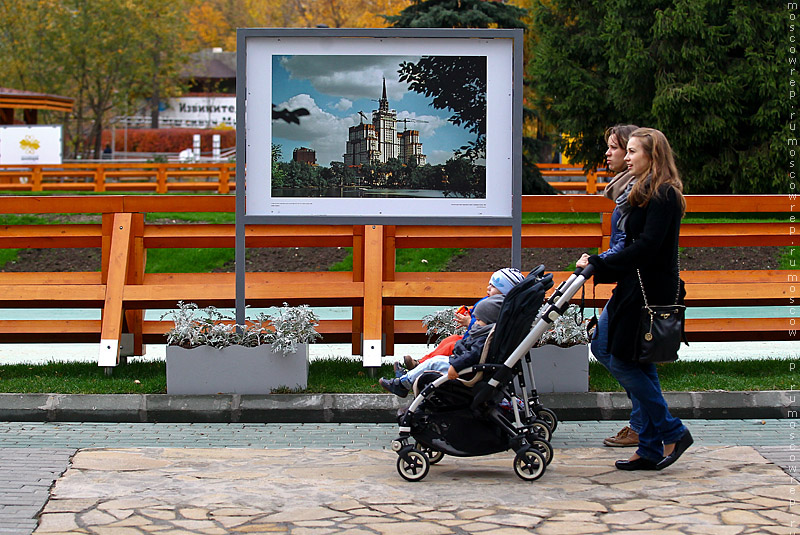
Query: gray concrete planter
[234,370]
[561,369]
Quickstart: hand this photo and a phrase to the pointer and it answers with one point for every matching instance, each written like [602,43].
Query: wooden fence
[122,290]
[215,176]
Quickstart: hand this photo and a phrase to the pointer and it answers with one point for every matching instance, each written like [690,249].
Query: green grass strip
[340,375]
[727,375]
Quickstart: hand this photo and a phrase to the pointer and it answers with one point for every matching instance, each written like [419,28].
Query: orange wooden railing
[213,176]
[120,176]
[122,290]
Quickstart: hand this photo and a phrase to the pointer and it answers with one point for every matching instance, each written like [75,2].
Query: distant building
[305,155]
[411,148]
[379,141]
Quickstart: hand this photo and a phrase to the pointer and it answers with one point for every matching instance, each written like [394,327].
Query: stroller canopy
[519,310]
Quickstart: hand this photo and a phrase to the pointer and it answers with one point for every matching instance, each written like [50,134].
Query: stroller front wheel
[529,465]
[413,465]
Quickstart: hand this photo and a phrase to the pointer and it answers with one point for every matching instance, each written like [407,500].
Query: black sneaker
[394,386]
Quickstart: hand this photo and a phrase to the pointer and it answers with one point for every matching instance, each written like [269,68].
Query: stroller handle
[586,272]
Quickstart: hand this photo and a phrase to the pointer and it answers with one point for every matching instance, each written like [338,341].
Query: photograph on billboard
[403,127]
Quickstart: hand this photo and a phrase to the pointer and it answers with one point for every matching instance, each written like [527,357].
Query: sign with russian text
[199,112]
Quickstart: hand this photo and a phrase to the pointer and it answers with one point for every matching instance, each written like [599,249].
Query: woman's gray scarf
[618,190]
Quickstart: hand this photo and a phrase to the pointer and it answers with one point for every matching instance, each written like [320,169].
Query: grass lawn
[349,376]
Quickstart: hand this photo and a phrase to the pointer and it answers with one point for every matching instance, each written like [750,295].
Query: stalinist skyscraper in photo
[379,141]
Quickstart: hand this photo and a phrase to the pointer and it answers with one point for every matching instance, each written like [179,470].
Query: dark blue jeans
[601,353]
[659,427]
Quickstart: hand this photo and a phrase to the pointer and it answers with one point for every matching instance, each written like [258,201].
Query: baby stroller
[489,408]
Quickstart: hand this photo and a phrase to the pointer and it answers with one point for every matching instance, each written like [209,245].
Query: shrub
[168,139]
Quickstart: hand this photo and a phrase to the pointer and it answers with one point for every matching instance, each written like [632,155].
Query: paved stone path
[160,471]
[714,490]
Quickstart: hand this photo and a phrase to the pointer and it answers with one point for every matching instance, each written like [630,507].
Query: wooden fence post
[161,179]
[135,318]
[591,181]
[119,256]
[358,276]
[36,178]
[100,178]
[224,179]
[373,295]
[389,255]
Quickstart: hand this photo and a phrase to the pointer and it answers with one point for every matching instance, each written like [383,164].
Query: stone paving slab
[711,490]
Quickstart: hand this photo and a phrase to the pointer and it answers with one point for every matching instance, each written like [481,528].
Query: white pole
[196,149]
[215,152]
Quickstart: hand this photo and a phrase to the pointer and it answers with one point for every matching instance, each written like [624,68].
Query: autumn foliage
[168,139]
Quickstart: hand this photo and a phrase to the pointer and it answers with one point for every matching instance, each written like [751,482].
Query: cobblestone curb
[352,408]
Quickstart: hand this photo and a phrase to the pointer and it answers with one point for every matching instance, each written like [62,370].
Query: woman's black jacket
[651,244]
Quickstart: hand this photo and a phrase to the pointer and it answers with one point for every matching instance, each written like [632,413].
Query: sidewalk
[140,478]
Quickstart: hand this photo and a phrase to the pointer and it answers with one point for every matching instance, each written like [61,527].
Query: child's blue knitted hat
[505,279]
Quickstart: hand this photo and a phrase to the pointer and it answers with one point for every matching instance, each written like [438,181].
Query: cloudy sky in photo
[335,88]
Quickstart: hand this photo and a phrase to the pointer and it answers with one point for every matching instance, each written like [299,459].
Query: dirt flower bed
[319,258]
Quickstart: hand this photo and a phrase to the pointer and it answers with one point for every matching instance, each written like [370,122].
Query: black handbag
[660,330]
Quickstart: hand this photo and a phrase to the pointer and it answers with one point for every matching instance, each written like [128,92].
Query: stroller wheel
[541,430]
[548,417]
[545,449]
[529,465]
[413,466]
[434,456]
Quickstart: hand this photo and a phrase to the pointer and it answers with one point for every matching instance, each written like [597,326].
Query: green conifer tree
[708,73]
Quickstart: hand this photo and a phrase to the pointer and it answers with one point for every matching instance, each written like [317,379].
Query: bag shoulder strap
[677,293]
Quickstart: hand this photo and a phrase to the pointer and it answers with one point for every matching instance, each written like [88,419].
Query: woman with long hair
[651,226]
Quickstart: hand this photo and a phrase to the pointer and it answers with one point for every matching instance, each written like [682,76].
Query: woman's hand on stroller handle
[584,267]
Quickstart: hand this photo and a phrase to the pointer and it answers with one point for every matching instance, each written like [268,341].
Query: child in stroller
[466,351]
[470,416]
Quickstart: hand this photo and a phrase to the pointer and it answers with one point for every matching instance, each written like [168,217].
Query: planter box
[234,370]
[561,369]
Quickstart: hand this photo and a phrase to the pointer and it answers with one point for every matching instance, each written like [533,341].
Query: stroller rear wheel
[541,430]
[413,465]
[434,456]
[544,448]
[529,465]
[548,417]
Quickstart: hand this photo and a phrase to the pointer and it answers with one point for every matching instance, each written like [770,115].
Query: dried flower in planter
[209,326]
[568,330]
[441,324]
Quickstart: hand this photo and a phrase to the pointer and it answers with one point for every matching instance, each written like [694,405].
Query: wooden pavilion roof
[28,100]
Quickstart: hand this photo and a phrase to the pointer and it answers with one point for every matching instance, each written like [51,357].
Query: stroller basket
[448,417]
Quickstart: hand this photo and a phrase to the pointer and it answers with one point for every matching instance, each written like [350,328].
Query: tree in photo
[457,84]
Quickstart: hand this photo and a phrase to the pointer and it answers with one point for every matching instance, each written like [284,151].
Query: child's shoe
[394,386]
[398,370]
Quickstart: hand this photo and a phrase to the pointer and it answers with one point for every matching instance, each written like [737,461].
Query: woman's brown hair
[662,169]
[623,133]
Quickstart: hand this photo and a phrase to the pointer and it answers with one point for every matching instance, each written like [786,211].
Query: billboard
[402,124]
[30,145]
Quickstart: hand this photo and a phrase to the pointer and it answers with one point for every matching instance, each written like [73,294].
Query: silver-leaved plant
[568,330]
[441,324]
[195,326]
